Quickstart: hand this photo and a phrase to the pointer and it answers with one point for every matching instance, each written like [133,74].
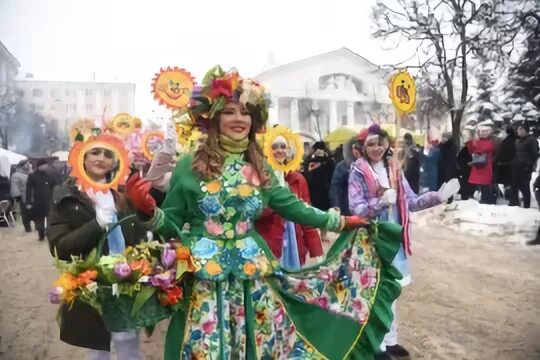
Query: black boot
[535,241]
[383,356]
[397,352]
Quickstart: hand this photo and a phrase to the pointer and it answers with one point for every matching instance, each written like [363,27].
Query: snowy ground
[471,298]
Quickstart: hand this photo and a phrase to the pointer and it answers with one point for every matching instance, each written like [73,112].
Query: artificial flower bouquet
[131,290]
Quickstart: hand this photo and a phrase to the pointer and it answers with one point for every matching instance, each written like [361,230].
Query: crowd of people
[249,229]
[27,188]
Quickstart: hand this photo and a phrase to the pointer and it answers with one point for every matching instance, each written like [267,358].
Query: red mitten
[138,193]
[354,222]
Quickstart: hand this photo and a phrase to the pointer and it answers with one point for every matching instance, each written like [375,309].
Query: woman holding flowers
[238,302]
[78,220]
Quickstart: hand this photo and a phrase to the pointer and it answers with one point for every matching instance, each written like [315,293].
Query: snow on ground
[497,222]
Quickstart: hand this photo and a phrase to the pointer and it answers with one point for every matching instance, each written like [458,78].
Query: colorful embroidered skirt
[340,309]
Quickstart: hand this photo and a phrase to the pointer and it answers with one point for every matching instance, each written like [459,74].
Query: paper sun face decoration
[115,153]
[403,92]
[81,130]
[151,143]
[123,124]
[283,149]
[172,87]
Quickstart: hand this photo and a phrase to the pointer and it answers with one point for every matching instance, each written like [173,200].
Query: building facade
[66,102]
[317,95]
[9,68]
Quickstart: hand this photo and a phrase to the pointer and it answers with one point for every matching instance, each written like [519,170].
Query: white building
[9,66]
[67,102]
[338,88]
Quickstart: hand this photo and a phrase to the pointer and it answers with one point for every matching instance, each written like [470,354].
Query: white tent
[13,158]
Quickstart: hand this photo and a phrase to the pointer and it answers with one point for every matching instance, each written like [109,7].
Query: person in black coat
[39,188]
[448,162]
[464,157]
[77,222]
[523,166]
[504,157]
[318,171]
[411,155]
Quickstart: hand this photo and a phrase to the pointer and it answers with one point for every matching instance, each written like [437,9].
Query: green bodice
[221,214]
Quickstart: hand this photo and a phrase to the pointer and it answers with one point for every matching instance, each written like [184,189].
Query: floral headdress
[212,95]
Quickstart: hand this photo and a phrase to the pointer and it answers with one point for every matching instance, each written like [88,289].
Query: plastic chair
[6,214]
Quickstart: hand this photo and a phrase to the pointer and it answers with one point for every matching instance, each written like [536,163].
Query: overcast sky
[129,41]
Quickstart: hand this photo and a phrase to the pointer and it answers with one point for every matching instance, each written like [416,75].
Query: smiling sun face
[172,87]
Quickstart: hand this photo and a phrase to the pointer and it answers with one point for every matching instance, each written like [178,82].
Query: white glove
[448,190]
[319,259]
[389,197]
[104,216]
[169,147]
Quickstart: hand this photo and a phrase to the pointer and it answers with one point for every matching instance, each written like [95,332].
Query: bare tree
[447,34]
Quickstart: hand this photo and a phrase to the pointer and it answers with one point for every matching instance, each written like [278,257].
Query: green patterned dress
[239,303]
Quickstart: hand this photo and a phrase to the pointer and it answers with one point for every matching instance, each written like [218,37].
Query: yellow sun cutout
[294,143]
[109,142]
[172,87]
[124,124]
[148,153]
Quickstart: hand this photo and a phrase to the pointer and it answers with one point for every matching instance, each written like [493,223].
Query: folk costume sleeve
[283,201]
[170,218]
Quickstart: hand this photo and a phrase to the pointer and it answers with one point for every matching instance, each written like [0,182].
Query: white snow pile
[512,224]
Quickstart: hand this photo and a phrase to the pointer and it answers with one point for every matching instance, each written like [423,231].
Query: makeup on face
[235,121]
[98,162]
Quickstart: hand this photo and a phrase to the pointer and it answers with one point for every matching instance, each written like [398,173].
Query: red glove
[138,193]
[354,222]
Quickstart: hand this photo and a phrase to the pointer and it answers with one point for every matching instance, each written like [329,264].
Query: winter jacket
[526,153]
[318,171]
[39,189]
[271,226]
[73,230]
[482,174]
[447,163]
[412,158]
[339,194]
[18,185]
[430,163]
[504,157]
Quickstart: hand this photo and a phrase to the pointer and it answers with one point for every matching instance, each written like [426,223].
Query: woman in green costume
[238,302]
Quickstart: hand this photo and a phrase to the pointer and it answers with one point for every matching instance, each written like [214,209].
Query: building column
[333,116]
[350,113]
[273,112]
[295,124]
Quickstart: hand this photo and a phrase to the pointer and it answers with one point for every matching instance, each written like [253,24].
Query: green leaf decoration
[181,268]
[141,298]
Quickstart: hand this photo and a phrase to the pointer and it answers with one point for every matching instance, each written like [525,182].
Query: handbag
[478,160]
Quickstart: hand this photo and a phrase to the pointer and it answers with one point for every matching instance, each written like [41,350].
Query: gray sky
[129,41]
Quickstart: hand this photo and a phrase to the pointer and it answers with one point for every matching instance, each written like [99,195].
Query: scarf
[233,146]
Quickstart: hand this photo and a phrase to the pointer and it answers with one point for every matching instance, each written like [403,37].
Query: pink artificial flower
[249,173]
[368,278]
[214,228]
[301,286]
[326,274]
[242,227]
[279,317]
[322,302]
[208,327]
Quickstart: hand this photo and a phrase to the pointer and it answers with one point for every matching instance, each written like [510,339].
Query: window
[53,93]
[71,107]
[89,107]
[40,107]
[107,92]
[89,92]
[68,93]
[37,92]
[20,93]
